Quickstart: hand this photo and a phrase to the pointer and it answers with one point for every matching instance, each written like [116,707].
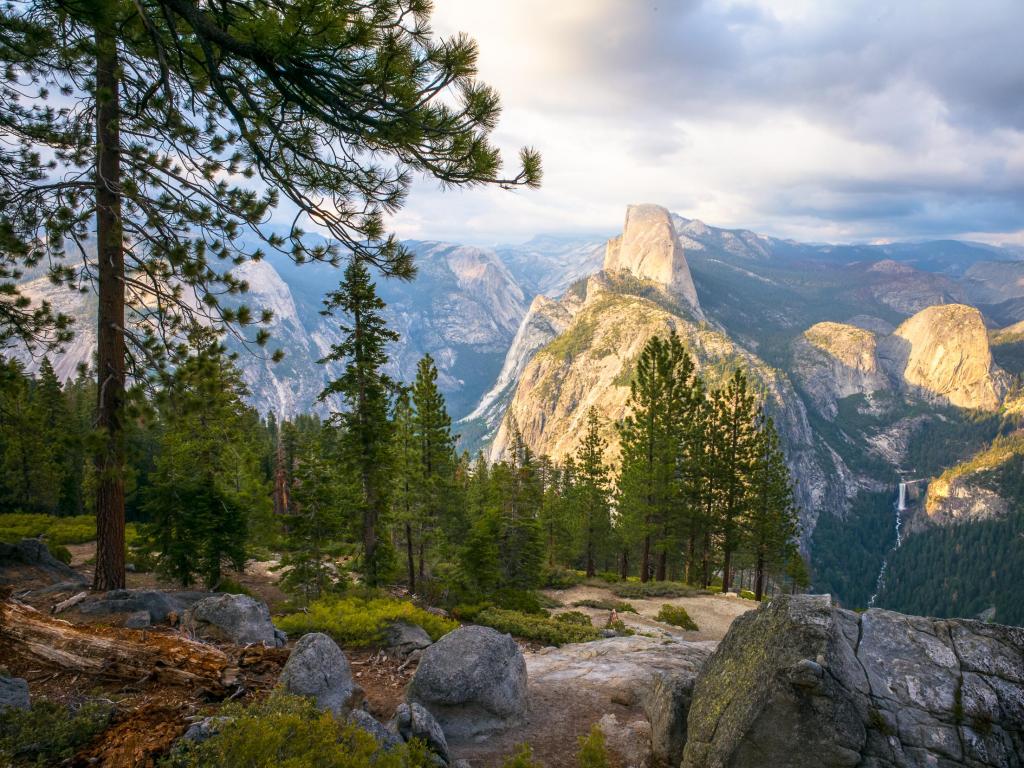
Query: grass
[530,626]
[362,621]
[606,605]
[76,529]
[639,591]
[677,616]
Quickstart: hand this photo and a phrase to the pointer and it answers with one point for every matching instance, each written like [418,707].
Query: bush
[78,529]
[523,758]
[677,616]
[574,617]
[60,552]
[536,627]
[233,587]
[558,577]
[593,752]
[49,733]
[359,621]
[606,605]
[639,591]
[746,594]
[291,731]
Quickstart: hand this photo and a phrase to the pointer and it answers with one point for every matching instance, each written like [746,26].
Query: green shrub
[60,552]
[536,627]
[49,733]
[58,530]
[677,616]
[606,605]
[558,577]
[574,617]
[233,587]
[608,577]
[360,621]
[290,731]
[620,626]
[639,591]
[746,594]
[593,752]
[522,758]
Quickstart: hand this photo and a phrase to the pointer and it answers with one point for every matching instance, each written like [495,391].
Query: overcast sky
[826,121]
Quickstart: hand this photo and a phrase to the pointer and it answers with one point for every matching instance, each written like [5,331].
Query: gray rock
[415,722]
[34,554]
[473,680]
[317,668]
[237,619]
[403,638]
[202,730]
[158,604]
[800,683]
[280,638]
[138,620]
[13,693]
[386,738]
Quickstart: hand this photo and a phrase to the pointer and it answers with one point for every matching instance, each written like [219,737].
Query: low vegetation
[606,605]
[537,626]
[640,591]
[361,621]
[677,616]
[49,733]
[77,529]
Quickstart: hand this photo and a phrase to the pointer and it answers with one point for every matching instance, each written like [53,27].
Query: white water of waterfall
[901,506]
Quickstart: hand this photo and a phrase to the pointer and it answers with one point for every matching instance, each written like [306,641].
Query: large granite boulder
[317,668]
[414,722]
[13,693]
[130,604]
[473,680]
[30,559]
[403,638]
[385,738]
[801,683]
[237,619]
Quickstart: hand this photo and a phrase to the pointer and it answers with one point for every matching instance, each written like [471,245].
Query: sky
[820,120]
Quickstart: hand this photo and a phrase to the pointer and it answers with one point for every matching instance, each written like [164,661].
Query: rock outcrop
[414,722]
[835,360]
[13,693]
[801,683]
[473,680]
[30,560]
[317,668]
[973,490]
[237,619]
[943,353]
[649,249]
[155,605]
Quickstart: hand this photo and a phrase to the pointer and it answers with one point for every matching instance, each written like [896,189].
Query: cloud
[827,120]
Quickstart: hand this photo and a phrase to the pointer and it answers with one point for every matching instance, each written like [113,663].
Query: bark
[120,654]
[624,565]
[726,583]
[759,578]
[110,343]
[645,561]
[409,557]
[662,566]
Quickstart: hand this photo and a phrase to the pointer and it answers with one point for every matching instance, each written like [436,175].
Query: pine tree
[591,493]
[434,480]
[771,526]
[206,483]
[157,107]
[405,469]
[365,392]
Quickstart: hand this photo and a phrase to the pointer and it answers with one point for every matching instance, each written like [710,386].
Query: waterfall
[901,507]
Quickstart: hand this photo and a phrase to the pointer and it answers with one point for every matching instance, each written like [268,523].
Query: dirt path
[713,614]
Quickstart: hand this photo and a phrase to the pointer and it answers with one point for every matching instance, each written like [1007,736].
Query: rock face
[972,490]
[317,668]
[800,683]
[943,351]
[649,249]
[835,360]
[29,558]
[13,693]
[237,619]
[655,676]
[473,680]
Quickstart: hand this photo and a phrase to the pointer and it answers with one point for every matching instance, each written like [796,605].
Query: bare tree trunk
[110,344]
[759,578]
[662,566]
[624,565]
[645,561]
[411,561]
[725,571]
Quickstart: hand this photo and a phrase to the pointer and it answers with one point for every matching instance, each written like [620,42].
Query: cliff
[833,360]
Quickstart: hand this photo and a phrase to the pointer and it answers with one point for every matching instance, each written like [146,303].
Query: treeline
[378,488]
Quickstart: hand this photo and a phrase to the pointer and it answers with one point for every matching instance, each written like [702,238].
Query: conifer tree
[590,493]
[157,108]
[405,467]
[365,393]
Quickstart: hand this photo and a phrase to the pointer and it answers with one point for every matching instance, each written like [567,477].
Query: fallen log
[114,653]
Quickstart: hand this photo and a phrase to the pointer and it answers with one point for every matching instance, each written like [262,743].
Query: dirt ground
[713,614]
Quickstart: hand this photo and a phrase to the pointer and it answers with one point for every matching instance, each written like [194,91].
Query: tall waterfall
[901,507]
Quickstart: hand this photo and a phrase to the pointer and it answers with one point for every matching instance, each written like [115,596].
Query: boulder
[237,619]
[138,620]
[415,722]
[646,682]
[802,683]
[380,732]
[13,693]
[30,558]
[473,680]
[203,729]
[125,603]
[317,668]
[403,638]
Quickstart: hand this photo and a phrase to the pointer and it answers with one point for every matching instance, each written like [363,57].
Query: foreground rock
[131,607]
[404,638]
[317,668]
[29,559]
[414,722]
[800,683]
[13,693]
[473,680]
[237,619]
[385,738]
[638,678]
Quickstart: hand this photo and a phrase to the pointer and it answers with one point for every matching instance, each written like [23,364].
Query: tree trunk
[409,558]
[726,582]
[645,561]
[624,565]
[423,566]
[108,652]
[109,458]
[759,578]
[662,566]
[691,548]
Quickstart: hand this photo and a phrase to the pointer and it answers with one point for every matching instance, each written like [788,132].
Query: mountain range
[879,362]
